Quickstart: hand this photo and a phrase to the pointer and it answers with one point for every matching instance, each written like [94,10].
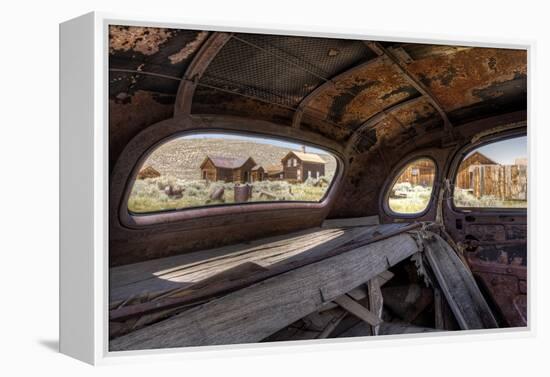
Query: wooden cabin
[465,177]
[275,172]
[485,177]
[257,173]
[300,166]
[228,169]
[421,173]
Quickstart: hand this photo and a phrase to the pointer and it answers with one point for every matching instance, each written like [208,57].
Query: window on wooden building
[210,169]
[493,176]
[412,190]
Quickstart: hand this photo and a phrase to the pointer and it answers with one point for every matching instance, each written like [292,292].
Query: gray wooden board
[358,310]
[351,221]
[255,312]
[168,274]
[376,300]
[457,285]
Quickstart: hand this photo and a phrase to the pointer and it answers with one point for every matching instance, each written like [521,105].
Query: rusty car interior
[351,263]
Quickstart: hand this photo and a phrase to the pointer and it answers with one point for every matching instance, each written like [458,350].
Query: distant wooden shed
[257,174]
[465,177]
[485,177]
[227,169]
[300,166]
[274,172]
[420,172]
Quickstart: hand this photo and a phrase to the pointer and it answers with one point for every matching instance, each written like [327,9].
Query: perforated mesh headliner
[280,69]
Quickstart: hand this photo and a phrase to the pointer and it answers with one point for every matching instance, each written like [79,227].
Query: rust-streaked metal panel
[128,116]
[415,113]
[334,131]
[464,77]
[140,56]
[358,96]
[213,101]
[392,133]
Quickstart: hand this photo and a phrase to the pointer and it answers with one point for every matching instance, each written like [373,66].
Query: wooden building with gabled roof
[228,169]
[465,176]
[275,172]
[300,166]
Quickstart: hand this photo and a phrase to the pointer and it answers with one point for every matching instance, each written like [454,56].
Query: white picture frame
[84,181]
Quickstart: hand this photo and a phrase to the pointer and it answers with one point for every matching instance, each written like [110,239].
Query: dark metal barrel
[242,193]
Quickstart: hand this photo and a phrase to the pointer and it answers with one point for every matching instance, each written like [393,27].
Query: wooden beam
[228,275]
[334,322]
[457,285]
[351,222]
[358,310]
[438,310]
[376,301]
[253,313]
[196,69]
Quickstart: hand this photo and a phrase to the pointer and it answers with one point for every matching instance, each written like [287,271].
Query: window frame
[148,218]
[461,155]
[396,173]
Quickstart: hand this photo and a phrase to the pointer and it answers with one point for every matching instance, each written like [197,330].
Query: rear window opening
[212,169]
[412,189]
[493,176]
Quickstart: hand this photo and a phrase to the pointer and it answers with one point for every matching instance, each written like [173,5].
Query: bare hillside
[182,158]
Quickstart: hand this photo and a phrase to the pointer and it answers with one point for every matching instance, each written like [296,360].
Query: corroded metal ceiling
[348,90]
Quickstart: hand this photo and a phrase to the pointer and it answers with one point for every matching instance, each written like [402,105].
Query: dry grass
[148,195]
[464,198]
[179,161]
[410,199]
[416,198]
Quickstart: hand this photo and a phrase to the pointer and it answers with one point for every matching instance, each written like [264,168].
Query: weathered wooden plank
[358,310]
[222,282]
[438,310]
[457,285]
[253,313]
[351,221]
[376,301]
[384,277]
[361,292]
[181,271]
[334,322]
[128,274]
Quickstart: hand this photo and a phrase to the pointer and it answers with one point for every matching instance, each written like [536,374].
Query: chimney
[303,149]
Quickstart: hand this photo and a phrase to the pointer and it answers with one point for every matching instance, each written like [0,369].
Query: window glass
[412,190]
[217,169]
[493,176]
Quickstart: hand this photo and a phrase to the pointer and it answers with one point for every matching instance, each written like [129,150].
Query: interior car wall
[367,174]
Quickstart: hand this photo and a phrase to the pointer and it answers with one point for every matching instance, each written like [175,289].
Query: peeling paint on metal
[360,95]
[465,77]
[188,49]
[145,40]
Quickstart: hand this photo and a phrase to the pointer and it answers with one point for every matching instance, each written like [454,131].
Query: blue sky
[506,151]
[260,140]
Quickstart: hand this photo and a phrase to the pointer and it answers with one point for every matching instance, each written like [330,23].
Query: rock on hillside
[182,158]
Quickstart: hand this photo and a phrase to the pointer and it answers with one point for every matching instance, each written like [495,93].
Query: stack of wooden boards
[248,292]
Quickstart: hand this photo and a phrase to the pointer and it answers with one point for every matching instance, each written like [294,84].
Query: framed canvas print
[225,187]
